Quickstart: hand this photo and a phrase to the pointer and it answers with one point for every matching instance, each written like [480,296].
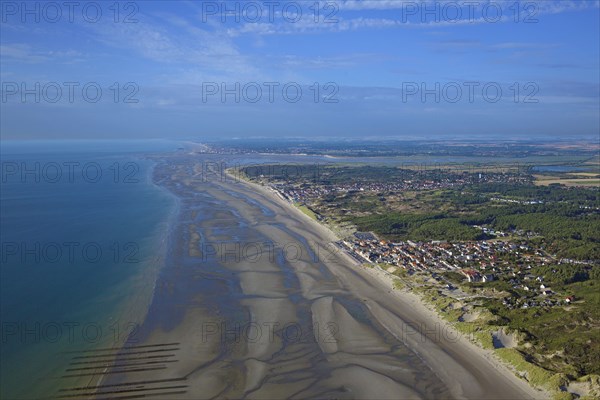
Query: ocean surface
[83,235]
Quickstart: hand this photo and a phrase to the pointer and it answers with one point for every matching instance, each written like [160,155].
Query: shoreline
[377,349]
[415,301]
[162,243]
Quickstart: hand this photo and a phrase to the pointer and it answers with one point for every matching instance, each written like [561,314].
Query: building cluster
[477,261]
[513,201]
[300,192]
[513,262]
[486,257]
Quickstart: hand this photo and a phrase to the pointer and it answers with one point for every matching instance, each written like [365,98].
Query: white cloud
[25,53]
[541,6]
[177,43]
[21,52]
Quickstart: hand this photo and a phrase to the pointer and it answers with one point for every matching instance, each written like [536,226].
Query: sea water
[83,234]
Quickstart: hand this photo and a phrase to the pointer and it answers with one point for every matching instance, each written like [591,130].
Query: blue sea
[83,233]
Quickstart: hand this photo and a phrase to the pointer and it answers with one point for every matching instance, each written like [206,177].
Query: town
[508,263]
[320,183]
[481,261]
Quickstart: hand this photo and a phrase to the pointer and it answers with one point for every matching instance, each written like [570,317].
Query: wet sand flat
[259,303]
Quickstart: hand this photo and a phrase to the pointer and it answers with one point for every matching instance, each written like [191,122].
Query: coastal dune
[263,305]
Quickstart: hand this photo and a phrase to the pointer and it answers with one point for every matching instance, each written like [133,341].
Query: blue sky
[381,68]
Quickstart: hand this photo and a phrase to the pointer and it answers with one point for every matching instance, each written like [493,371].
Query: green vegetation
[563,396]
[419,152]
[481,330]
[564,219]
[570,232]
[570,334]
[397,226]
[307,211]
[398,285]
[554,193]
[565,274]
[537,376]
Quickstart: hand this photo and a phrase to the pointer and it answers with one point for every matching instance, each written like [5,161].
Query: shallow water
[80,255]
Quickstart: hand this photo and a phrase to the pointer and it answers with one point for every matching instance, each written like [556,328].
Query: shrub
[537,376]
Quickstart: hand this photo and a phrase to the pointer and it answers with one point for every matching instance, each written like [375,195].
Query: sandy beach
[417,314]
[258,302]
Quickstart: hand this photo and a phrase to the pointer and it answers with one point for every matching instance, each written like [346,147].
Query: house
[471,275]
[542,286]
[546,292]
[569,299]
